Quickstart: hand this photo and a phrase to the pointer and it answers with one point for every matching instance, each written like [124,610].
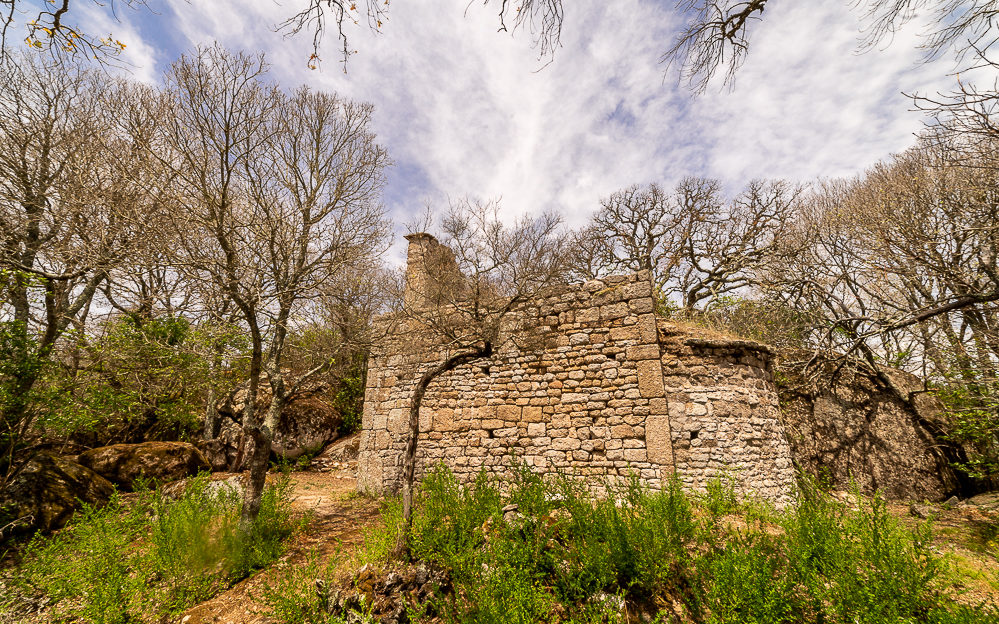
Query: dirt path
[339,520]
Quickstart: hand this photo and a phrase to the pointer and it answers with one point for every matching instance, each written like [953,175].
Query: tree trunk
[211,429]
[401,549]
[262,437]
[252,433]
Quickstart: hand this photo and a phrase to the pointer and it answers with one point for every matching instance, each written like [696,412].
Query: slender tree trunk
[252,433]
[263,436]
[211,430]
[401,549]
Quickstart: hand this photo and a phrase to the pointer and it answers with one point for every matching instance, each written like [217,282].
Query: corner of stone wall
[723,412]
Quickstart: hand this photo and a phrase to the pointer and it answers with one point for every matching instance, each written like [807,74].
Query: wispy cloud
[465,110]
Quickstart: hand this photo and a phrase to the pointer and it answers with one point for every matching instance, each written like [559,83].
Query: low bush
[560,555]
[154,556]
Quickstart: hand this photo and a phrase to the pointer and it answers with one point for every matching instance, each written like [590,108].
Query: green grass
[154,557]
[565,557]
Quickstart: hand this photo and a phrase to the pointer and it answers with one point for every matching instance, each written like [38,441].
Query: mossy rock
[47,492]
[160,462]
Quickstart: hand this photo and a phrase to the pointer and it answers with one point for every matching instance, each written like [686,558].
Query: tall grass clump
[154,556]
[556,554]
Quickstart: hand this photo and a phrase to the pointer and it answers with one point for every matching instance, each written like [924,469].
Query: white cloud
[466,110]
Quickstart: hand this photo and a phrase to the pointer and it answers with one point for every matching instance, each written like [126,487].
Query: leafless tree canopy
[717,35]
[697,246]
[52,29]
[217,198]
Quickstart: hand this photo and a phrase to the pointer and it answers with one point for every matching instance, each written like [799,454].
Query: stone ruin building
[614,391]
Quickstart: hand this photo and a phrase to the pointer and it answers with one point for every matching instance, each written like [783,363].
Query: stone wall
[587,383]
[723,410]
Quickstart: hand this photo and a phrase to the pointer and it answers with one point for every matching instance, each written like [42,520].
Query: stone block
[536,429]
[643,352]
[625,333]
[613,311]
[657,440]
[565,444]
[588,315]
[426,419]
[647,330]
[398,420]
[650,379]
[509,413]
[622,431]
[636,289]
[533,414]
[658,407]
[645,305]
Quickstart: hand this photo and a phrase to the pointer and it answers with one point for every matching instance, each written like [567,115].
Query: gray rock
[989,501]
[48,491]
[126,464]
[924,512]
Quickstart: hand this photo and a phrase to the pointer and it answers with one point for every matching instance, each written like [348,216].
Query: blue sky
[466,110]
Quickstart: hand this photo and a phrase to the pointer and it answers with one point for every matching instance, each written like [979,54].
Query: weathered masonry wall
[588,400]
[591,385]
[724,413]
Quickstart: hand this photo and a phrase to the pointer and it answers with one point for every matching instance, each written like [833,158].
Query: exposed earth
[339,519]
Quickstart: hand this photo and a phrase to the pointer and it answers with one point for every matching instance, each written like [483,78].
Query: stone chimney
[431,271]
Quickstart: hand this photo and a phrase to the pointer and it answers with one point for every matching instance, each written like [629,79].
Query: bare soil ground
[339,520]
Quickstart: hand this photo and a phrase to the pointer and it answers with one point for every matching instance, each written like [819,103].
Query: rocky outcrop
[339,455]
[161,462]
[385,596]
[308,423]
[47,492]
[846,425]
[216,452]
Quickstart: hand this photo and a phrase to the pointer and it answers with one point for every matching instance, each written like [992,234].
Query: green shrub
[84,569]
[563,556]
[155,556]
[300,595]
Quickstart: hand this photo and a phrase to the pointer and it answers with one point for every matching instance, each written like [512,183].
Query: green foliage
[19,361]
[563,556]
[300,595]
[348,400]
[719,495]
[972,409]
[148,378]
[156,556]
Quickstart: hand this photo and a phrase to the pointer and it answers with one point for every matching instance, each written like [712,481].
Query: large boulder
[341,454]
[47,492]
[307,425]
[846,426]
[125,464]
[217,452]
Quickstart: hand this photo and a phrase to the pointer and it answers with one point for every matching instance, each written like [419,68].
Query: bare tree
[73,202]
[316,197]
[717,33]
[464,292]
[278,193]
[219,126]
[900,267]
[49,28]
[697,246]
